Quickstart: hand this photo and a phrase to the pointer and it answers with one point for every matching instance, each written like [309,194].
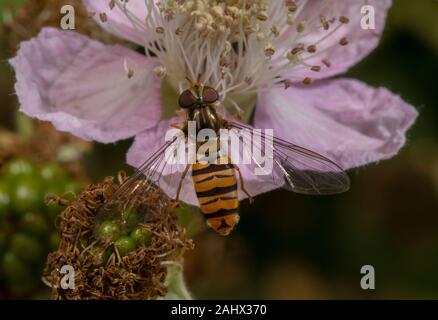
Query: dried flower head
[102,270]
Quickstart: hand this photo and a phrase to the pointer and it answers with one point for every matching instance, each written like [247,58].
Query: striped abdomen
[216,188]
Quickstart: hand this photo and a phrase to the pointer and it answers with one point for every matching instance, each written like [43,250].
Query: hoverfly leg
[242,186]
[240,115]
[180,113]
[178,191]
[177,126]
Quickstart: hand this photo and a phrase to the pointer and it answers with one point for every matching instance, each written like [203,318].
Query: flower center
[215,18]
[240,47]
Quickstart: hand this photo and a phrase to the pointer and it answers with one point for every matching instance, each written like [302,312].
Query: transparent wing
[131,202]
[293,167]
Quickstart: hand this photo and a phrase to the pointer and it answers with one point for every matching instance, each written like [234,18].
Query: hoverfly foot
[176,126]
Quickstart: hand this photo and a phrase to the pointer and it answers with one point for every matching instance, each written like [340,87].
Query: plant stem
[176,284]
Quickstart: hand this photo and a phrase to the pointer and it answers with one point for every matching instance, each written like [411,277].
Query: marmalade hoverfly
[217,184]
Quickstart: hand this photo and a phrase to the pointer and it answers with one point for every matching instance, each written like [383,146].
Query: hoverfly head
[197,94]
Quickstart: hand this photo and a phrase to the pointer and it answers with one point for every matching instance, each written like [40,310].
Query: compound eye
[209,95]
[186,99]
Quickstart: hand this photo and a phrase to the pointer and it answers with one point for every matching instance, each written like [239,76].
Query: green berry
[14,268]
[3,241]
[100,255]
[34,224]
[18,167]
[26,247]
[130,218]
[52,172]
[109,231]
[125,245]
[63,186]
[26,195]
[71,186]
[141,236]
[5,197]
[21,289]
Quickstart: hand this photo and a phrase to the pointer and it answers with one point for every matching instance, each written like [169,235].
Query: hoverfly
[217,184]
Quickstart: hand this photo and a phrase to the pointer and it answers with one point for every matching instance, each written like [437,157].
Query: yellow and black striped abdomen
[216,188]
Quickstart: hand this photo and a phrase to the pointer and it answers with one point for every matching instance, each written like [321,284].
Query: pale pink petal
[345,120]
[361,42]
[117,21]
[82,87]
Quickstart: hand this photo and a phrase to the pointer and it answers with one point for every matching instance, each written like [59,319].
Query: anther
[343,41]
[324,22]
[262,16]
[291,5]
[301,26]
[327,63]
[344,20]
[103,17]
[260,36]
[307,81]
[269,50]
[299,48]
[160,71]
[275,31]
[311,49]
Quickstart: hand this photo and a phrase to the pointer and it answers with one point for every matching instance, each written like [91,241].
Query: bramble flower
[276,56]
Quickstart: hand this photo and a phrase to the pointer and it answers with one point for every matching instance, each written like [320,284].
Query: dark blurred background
[289,246]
